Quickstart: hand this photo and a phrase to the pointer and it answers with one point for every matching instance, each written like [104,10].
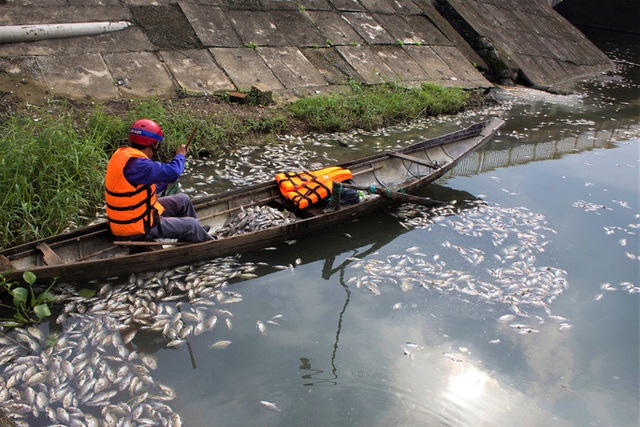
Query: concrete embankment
[292,47]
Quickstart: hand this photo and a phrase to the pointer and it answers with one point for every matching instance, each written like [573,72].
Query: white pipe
[25,33]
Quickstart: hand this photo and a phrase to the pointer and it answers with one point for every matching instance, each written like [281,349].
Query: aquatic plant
[28,306]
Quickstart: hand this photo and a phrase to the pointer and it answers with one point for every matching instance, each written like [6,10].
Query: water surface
[516,304]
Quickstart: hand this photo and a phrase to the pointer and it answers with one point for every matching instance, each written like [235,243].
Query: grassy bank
[53,158]
[371,107]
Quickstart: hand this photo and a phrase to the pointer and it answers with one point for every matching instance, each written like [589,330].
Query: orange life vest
[131,209]
[307,188]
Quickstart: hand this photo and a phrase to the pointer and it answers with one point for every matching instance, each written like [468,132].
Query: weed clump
[50,175]
[371,107]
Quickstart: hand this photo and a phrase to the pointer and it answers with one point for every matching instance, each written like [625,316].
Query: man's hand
[182,149]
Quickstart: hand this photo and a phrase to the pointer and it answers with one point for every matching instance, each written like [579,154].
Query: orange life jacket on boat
[131,209]
[307,188]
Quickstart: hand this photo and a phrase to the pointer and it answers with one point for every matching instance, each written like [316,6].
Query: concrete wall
[293,47]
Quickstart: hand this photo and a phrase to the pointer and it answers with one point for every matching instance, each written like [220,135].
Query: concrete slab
[399,29]
[255,26]
[399,61]
[166,26]
[107,3]
[301,32]
[558,68]
[279,5]
[302,45]
[542,49]
[83,77]
[315,4]
[444,27]
[378,6]
[432,35]
[211,24]
[344,5]
[291,67]
[146,2]
[240,4]
[368,28]
[245,67]
[367,64]
[331,65]
[139,74]
[405,7]
[15,15]
[129,39]
[335,29]
[51,3]
[436,69]
[23,77]
[195,71]
[461,67]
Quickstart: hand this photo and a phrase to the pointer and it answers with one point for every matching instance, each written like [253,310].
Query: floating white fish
[261,327]
[269,405]
[176,343]
[452,357]
[409,348]
[220,344]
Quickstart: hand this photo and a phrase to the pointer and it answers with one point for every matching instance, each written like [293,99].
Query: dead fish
[37,378]
[269,405]
[273,320]
[211,322]
[452,357]
[176,343]
[261,327]
[408,348]
[220,344]
[149,361]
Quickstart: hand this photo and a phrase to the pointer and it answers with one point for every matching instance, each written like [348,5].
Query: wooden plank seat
[48,255]
[5,264]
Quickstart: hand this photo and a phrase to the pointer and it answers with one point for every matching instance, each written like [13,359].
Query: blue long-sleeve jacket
[146,171]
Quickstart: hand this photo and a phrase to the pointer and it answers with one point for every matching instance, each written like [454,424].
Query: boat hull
[89,253]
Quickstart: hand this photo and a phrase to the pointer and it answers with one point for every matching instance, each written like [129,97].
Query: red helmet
[145,132]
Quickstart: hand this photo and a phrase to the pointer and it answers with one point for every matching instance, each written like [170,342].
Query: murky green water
[518,307]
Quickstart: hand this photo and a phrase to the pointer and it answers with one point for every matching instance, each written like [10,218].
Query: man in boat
[133,182]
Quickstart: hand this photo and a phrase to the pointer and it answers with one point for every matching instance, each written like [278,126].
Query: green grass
[51,173]
[370,107]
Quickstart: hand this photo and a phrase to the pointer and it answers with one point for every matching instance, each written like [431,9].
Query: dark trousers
[179,221]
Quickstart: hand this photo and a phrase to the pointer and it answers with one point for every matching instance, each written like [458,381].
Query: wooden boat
[91,252]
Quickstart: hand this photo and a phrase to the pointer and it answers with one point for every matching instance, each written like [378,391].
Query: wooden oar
[394,195]
[173,187]
[193,132]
